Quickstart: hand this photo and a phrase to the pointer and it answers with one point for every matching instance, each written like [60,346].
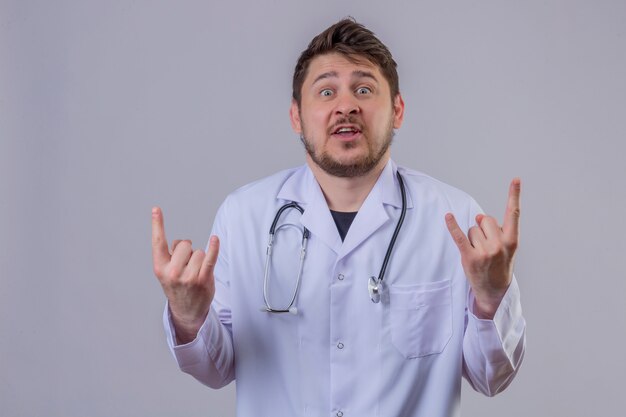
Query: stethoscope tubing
[374,284]
[396,231]
[266,279]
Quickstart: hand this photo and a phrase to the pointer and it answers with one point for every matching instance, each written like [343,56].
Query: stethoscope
[375,285]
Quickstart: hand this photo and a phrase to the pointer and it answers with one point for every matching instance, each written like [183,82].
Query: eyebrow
[355,74]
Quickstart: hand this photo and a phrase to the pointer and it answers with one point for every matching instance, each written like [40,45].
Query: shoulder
[257,192]
[435,197]
[423,186]
[250,205]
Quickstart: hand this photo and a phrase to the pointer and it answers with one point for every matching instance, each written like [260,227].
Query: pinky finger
[211,257]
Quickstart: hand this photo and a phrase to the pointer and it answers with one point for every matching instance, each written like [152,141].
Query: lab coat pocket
[421,318]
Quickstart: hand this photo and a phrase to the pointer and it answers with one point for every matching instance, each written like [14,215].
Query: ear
[398,111]
[294,115]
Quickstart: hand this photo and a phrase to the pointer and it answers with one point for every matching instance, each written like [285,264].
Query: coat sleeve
[210,356]
[493,349]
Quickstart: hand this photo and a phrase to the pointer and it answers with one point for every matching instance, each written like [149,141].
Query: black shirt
[343,221]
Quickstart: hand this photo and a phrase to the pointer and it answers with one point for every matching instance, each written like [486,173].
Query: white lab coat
[343,355]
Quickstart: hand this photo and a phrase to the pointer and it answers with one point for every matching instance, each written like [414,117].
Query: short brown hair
[354,41]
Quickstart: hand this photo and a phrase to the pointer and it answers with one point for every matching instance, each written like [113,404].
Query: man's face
[346,116]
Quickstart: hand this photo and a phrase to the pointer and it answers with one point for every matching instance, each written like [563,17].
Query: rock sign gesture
[186,276]
[487,253]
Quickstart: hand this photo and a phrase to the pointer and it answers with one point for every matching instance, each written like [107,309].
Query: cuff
[191,353]
[503,333]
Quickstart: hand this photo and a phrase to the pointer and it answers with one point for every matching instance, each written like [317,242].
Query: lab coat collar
[303,188]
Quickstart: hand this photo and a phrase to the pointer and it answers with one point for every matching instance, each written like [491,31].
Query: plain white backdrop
[110,107]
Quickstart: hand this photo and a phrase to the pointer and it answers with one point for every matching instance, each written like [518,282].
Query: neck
[346,194]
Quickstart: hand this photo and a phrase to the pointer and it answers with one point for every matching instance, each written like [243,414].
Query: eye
[363,90]
[327,92]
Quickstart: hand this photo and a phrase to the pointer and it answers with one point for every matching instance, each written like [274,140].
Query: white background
[110,107]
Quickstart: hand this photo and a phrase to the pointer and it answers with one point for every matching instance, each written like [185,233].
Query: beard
[357,167]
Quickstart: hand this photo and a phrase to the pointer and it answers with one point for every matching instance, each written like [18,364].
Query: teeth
[345,129]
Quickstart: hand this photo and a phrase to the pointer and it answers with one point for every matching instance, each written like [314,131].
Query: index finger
[160,254]
[510,225]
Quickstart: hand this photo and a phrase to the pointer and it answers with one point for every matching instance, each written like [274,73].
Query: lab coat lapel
[373,214]
[303,188]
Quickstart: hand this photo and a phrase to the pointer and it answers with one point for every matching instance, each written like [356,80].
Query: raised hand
[186,277]
[488,251]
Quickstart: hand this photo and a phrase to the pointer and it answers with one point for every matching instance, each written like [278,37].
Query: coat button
[340,277]
[339,345]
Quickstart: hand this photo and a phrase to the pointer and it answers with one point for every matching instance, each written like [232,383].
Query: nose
[347,104]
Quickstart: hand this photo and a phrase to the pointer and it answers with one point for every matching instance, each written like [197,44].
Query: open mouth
[347,132]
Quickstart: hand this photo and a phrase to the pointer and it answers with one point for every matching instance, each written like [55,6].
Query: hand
[487,253]
[186,277]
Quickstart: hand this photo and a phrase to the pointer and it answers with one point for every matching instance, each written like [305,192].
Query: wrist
[186,328]
[486,305]
[484,311]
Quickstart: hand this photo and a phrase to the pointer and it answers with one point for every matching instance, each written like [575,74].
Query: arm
[494,341]
[493,349]
[197,325]
[210,356]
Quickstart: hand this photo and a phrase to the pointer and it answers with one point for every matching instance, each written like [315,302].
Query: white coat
[342,355]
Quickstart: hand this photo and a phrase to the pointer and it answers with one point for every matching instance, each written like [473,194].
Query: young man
[371,301]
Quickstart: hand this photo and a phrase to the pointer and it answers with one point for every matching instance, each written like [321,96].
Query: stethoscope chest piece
[375,287]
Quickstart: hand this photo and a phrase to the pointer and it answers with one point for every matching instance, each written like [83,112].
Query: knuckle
[512,245]
[493,253]
[173,274]
[475,230]
[158,271]
[481,258]
[195,284]
[473,234]
[491,220]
